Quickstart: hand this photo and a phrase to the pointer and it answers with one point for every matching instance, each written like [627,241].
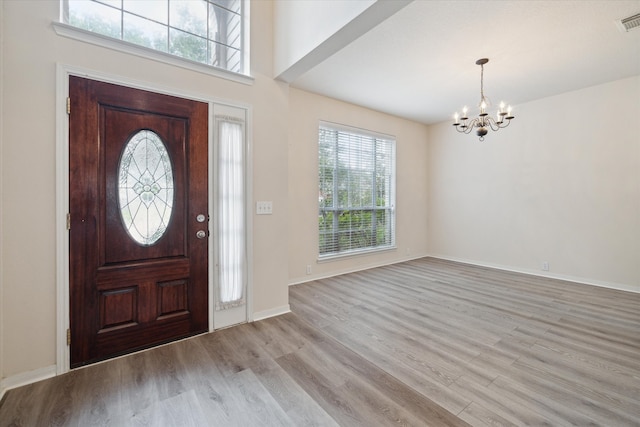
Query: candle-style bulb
[501,107]
[455,117]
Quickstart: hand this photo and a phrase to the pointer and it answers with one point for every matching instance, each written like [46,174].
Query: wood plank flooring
[426,342]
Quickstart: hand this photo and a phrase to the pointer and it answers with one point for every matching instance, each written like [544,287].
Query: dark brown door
[138,219]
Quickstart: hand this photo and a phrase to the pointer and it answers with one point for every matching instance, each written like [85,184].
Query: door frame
[63,71]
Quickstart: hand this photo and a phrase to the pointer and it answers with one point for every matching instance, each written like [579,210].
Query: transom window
[206,31]
[356,190]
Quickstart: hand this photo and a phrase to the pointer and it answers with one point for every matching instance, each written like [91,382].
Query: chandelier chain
[481,82]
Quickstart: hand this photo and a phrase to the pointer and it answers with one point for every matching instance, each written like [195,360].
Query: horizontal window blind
[356,190]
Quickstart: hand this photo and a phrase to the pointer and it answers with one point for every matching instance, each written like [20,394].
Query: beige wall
[31,51]
[2,37]
[306,110]
[561,184]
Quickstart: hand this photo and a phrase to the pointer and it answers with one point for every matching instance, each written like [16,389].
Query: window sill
[72,32]
[352,254]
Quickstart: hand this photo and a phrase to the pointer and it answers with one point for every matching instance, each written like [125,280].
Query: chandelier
[484,121]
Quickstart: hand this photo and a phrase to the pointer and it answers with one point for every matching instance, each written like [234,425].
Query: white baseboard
[265,314]
[568,278]
[51,371]
[25,378]
[299,281]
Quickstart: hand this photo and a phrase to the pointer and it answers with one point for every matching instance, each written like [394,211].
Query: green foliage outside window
[208,32]
[356,174]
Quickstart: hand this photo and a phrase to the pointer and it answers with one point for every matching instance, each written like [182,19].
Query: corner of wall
[25,378]
[2,26]
[276,311]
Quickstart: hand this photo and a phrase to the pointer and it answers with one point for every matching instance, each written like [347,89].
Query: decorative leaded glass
[145,187]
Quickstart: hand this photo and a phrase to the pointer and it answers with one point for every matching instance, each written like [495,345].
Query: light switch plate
[264,208]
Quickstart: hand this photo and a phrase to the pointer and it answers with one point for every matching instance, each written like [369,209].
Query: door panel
[118,128]
[130,292]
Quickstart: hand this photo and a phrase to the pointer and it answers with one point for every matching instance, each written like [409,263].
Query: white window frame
[65,30]
[335,209]
[227,266]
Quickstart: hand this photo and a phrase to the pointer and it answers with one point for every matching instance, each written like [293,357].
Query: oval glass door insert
[145,187]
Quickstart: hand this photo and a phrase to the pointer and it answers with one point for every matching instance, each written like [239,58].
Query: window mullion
[374,201]
[168,26]
[336,224]
[209,6]
[121,20]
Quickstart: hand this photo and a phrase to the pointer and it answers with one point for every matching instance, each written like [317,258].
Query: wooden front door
[138,219]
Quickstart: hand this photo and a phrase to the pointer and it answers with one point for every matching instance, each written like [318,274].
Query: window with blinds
[356,190]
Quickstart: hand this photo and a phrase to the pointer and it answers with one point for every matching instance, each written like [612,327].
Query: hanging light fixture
[484,121]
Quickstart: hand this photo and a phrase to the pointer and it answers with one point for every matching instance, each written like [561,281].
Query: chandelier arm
[493,124]
[473,124]
[505,123]
[467,128]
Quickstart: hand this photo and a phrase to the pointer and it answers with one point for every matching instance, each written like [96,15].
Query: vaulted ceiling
[419,63]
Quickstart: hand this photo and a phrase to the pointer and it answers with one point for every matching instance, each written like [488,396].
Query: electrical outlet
[308,268]
[545,265]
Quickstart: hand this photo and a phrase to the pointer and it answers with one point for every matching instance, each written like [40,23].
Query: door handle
[201,234]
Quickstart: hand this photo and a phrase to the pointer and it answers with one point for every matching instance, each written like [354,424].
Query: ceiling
[420,62]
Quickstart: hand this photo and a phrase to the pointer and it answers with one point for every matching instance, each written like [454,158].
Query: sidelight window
[232,257]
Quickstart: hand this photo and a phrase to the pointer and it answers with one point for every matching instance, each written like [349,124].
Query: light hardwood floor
[426,342]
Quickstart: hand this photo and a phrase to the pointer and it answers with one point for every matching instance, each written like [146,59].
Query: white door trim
[63,71]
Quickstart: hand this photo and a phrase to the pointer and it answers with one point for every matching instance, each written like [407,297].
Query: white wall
[561,184]
[308,32]
[301,26]
[31,50]
[306,110]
